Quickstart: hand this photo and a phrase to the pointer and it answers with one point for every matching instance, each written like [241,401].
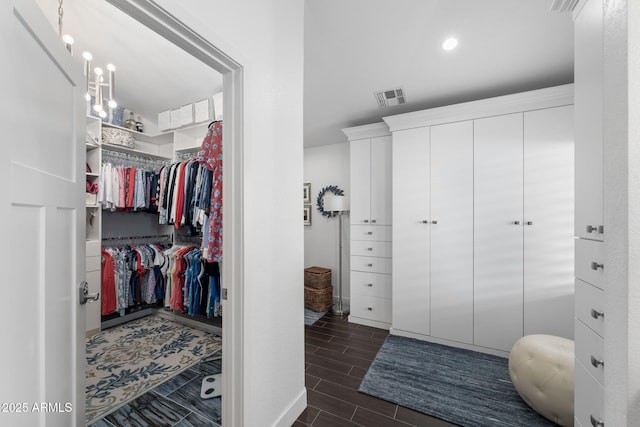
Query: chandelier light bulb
[97,108]
[112,103]
[450,43]
[87,96]
[102,114]
[87,56]
[111,67]
[67,39]
[98,71]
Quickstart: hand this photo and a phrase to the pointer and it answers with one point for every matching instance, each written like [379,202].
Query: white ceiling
[152,74]
[356,47]
[352,49]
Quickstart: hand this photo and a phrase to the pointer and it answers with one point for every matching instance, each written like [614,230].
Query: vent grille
[391,97]
[563,5]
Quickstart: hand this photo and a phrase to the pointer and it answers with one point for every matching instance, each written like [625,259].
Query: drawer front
[371,264]
[380,233]
[370,284]
[591,400]
[371,248]
[590,351]
[92,263]
[590,306]
[590,262]
[372,308]
[92,247]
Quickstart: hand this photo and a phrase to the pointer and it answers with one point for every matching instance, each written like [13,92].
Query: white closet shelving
[108,225]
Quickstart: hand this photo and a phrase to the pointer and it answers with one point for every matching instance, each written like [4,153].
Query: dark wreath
[320,200]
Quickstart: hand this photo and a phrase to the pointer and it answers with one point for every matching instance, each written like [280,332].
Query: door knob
[85,296]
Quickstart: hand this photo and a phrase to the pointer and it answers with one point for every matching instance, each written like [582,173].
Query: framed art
[306,193]
[307,215]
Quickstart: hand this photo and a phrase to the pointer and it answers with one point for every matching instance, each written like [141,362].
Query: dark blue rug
[311,317]
[460,386]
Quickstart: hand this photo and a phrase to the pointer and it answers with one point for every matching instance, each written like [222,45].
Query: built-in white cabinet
[370,181]
[590,316]
[370,213]
[483,220]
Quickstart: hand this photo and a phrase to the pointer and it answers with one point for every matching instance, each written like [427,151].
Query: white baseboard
[293,411]
[449,343]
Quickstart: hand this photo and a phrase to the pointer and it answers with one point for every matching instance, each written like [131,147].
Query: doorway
[166,26]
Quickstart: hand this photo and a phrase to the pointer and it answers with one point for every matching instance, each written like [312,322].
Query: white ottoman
[541,370]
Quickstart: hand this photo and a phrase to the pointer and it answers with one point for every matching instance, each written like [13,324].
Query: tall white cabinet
[483,220]
[370,216]
[589,255]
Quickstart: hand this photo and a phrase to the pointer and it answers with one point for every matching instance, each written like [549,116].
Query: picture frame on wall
[306,192]
[307,215]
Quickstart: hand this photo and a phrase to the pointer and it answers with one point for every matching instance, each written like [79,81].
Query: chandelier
[95,87]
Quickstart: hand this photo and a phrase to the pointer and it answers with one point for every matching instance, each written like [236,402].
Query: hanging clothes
[210,155]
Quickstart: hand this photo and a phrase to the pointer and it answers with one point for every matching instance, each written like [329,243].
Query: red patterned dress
[210,155]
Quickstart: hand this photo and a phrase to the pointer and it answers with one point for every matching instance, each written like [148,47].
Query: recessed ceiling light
[450,43]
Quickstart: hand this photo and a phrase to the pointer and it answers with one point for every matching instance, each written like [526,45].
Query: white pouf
[542,371]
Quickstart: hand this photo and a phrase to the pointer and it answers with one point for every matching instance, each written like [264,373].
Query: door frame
[166,25]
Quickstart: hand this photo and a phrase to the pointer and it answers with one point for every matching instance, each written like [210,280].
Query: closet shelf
[93,175]
[122,149]
[160,139]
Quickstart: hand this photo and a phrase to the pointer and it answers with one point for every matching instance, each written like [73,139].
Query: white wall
[266,37]
[327,165]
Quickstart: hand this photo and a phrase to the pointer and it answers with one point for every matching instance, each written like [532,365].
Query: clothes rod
[127,238]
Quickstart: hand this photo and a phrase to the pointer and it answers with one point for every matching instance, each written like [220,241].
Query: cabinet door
[498,240]
[452,231]
[380,179]
[410,233]
[360,172]
[589,77]
[548,222]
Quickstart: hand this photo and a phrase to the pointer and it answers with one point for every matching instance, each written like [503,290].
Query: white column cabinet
[483,220]
[498,231]
[370,213]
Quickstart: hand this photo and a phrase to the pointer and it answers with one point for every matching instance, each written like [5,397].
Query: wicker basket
[318,299]
[317,277]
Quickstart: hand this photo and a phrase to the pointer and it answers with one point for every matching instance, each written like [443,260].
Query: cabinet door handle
[369,265]
[597,362]
[595,265]
[529,222]
[366,221]
[596,314]
[516,222]
[370,285]
[369,233]
[434,222]
[592,228]
[370,308]
[373,221]
[370,249]
[596,422]
[425,221]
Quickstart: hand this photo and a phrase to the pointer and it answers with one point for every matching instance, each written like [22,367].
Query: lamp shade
[335,203]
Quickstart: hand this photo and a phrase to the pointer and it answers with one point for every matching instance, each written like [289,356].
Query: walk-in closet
[153,220]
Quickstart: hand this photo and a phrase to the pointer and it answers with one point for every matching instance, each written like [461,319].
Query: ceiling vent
[563,5]
[388,98]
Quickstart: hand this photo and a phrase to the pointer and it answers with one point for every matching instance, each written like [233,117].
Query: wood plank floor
[337,355]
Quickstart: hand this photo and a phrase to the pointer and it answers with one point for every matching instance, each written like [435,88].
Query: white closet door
[498,240]
[411,291]
[380,180]
[452,231]
[360,172]
[588,113]
[548,219]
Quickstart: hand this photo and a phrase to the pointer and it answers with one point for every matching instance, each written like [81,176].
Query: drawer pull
[434,222]
[597,362]
[516,222]
[596,422]
[596,314]
[595,265]
[366,221]
[369,265]
[529,222]
[595,229]
[370,308]
[370,285]
[370,249]
[370,233]
[373,221]
[425,221]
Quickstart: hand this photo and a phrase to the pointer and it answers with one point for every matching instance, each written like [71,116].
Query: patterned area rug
[464,387]
[311,317]
[126,361]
